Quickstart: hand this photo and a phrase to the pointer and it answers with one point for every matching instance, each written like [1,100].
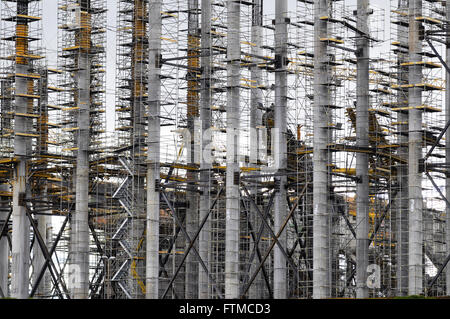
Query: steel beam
[43,247]
[275,241]
[280,231]
[45,228]
[258,253]
[256,240]
[191,244]
[42,270]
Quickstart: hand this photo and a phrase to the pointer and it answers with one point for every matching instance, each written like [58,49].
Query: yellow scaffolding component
[21,43]
[332,40]
[26,134]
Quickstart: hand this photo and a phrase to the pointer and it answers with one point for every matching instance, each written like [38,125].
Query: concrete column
[362,159]
[153,153]
[4,247]
[43,221]
[321,208]
[280,147]
[415,153]
[139,73]
[206,159]
[232,171]
[401,209]
[22,150]
[191,270]
[256,291]
[78,284]
[20,237]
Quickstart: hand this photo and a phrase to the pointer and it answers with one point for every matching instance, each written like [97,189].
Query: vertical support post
[447,144]
[232,171]
[321,240]
[191,270]
[153,153]
[206,160]
[43,221]
[22,150]
[139,72]
[401,209]
[415,152]
[79,240]
[44,227]
[4,247]
[280,146]
[257,289]
[362,160]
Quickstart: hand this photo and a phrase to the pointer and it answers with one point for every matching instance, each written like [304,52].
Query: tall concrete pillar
[78,284]
[22,151]
[138,140]
[401,198]
[233,170]
[191,270]
[280,147]
[321,205]
[205,159]
[153,153]
[4,247]
[416,263]
[256,291]
[362,159]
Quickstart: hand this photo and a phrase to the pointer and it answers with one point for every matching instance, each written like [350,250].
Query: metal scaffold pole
[153,153]
[362,162]
[280,146]
[233,150]
[321,241]
[415,151]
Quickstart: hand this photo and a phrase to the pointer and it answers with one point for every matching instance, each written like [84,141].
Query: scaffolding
[291,153]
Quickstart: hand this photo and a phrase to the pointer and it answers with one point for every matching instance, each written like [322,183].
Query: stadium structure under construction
[261,149]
